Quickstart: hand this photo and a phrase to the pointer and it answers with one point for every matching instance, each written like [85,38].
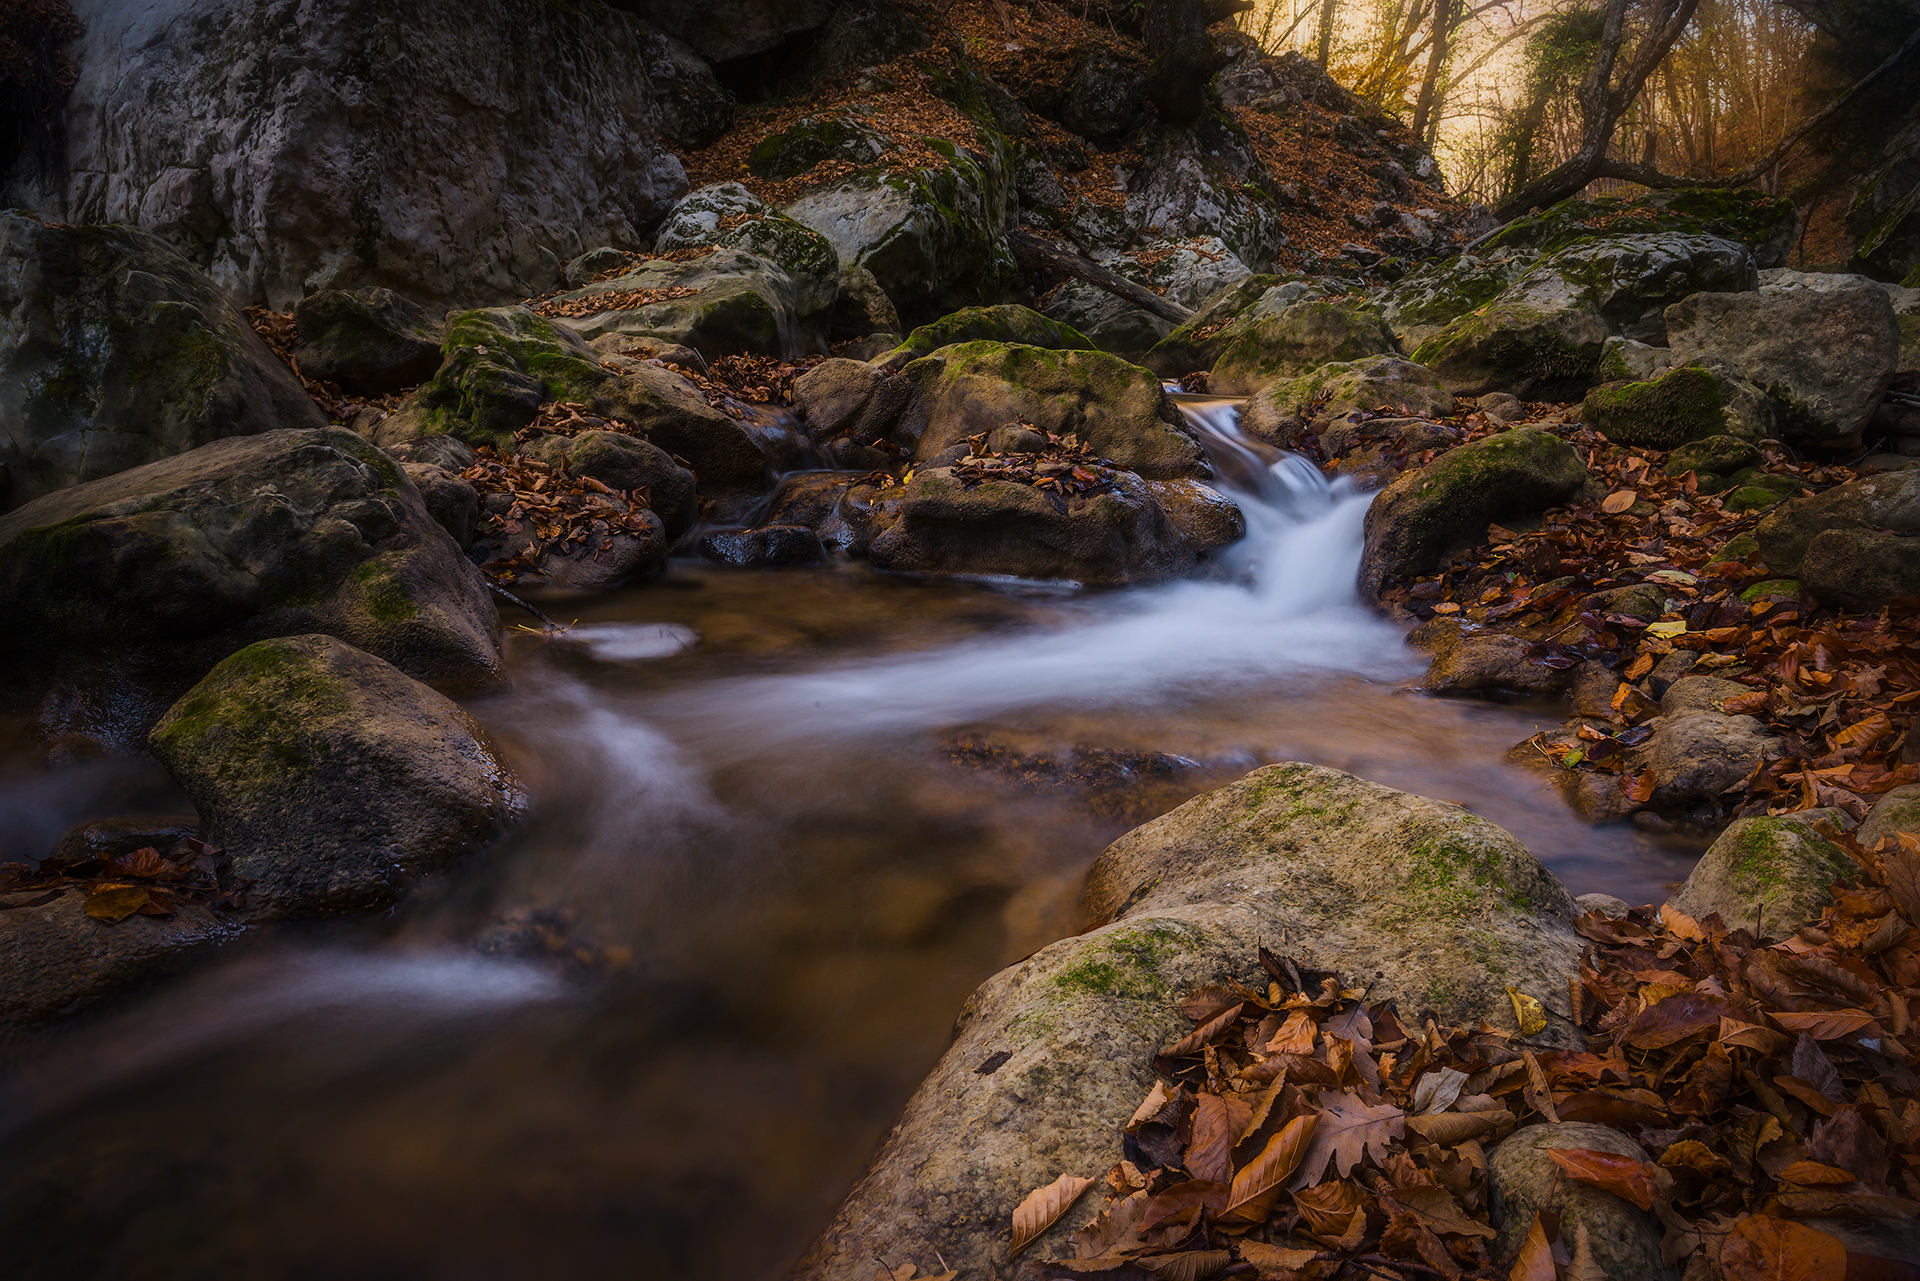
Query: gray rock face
[270,535]
[456,152]
[694,109]
[115,351]
[720,32]
[1897,811]
[756,228]
[451,501]
[1188,272]
[1823,358]
[1862,569]
[1110,322]
[1523,1180]
[1207,181]
[1768,875]
[370,341]
[1333,870]
[1425,515]
[1696,756]
[331,779]
[1887,502]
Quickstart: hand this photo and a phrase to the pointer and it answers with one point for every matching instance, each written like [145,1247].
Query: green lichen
[384,594]
[265,697]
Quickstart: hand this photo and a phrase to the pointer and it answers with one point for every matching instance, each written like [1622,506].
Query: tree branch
[1034,253]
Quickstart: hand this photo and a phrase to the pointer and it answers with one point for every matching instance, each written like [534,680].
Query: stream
[657,1032]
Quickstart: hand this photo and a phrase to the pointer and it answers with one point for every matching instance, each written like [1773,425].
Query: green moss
[265,696]
[1127,963]
[1772,589]
[1752,218]
[1715,456]
[384,594]
[1679,406]
[1003,324]
[1454,875]
[1740,548]
[1912,280]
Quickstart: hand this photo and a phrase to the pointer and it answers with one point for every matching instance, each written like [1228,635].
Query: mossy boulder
[1006,323]
[1632,278]
[1766,225]
[1519,343]
[741,303]
[1446,506]
[1887,502]
[1416,900]
[620,461]
[1895,812]
[942,525]
[116,351]
[1422,303]
[1679,406]
[331,779]
[1196,343]
[183,561]
[1768,875]
[1281,410]
[1713,460]
[1753,489]
[934,237]
[1298,340]
[372,342]
[812,140]
[728,216]
[1120,410]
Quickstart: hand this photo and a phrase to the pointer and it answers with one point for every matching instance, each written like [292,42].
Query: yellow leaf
[115,903]
[1527,1012]
[1043,1207]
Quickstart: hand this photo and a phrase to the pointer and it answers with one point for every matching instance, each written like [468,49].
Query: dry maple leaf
[1043,1207]
[1348,1129]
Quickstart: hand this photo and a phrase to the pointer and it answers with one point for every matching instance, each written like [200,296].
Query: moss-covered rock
[813,139]
[370,341]
[1679,406]
[331,779]
[1121,411]
[1767,875]
[741,303]
[728,216]
[1519,344]
[1713,460]
[1282,409]
[1766,225]
[1885,502]
[1298,340]
[116,351]
[1196,343]
[1424,302]
[1006,323]
[1425,515]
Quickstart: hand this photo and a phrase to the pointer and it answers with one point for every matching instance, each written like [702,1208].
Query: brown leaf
[1114,1227]
[1296,1035]
[1814,1174]
[1257,1185]
[1043,1207]
[1706,1085]
[1638,787]
[1625,1177]
[1449,1128]
[1202,1036]
[1209,1150]
[1900,872]
[1275,1261]
[1189,1266]
[1618,501]
[1347,1131]
[1762,1248]
[1584,1267]
[1675,1019]
[1436,1207]
[1827,1025]
[115,903]
[1535,1260]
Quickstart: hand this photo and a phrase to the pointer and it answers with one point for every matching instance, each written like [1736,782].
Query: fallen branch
[1036,254]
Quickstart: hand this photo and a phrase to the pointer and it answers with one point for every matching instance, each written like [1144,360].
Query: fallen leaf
[1527,1012]
[115,903]
[1437,1089]
[1535,1260]
[1347,1131]
[1257,1185]
[1763,1248]
[1449,1128]
[1275,1260]
[1618,501]
[1189,1266]
[1436,1206]
[1825,1025]
[1814,1174]
[1209,1150]
[1043,1207]
[1624,1176]
[1584,1267]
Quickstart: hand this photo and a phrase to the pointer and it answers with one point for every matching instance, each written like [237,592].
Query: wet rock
[1768,875]
[851,396]
[728,216]
[116,351]
[1679,406]
[1605,904]
[1051,1056]
[1424,302]
[1207,519]
[1593,688]
[818,501]
[1003,324]
[332,780]
[1696,756]
[452,502]
[456,152]
[1119,410]
[694,109]
[768,547]
[1897,811]
[939,525]
[372,342]
[1467,660]
[1824,359]
[1297,341]
[107,838]
[1766,225]
[190,558]
[627,462]
[1887,504]
[56,960]
[1523,1180]
[591,564]
[1281,410]
[862,308]
[1426,515]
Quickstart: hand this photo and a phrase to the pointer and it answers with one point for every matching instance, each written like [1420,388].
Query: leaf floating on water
[1043,1207]
[1529,1013]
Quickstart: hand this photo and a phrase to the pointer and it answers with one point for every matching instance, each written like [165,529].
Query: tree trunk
[1329,10]
[1443,19]
[1185,60]
[1035,254]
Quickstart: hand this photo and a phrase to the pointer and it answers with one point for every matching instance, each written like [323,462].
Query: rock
[1712,460]
[728,216]
[1188,272]
[934,238]
[940,526]
[115,351]
[1887,502]
[1605,904]
[1207,519]
[1196,343]
[834,396]
[1540,338]
[458,153]
[1207,180]
[1896,811]
[1107,97]
[452,502]
[1300,339]
[1281,410]
[694,109]
[331,779]
[1631,279]
[372,342]
[1766,225]
[1881,222]
[105,838]
[1119,410]
[1426,515]
[862,307]
[1467,660]
[627,462]
[1623,360]
[719,33]
[768,547]
[817,501]
[1523,1180]
[1002,324]
[1422,303]
[1690,695]
[1767,875]
[443,452]
[1501,408]
[1862,569]
[740,303]
[191,558]
[586,566]
[1679,406]
[1823,358]
[1109,322]
[812,140]
[1052,1055]
[56,960]
[1695,757]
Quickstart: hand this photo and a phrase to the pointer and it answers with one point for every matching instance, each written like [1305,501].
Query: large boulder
[1006,323]
[811,141]
[1823,358]
[371,341]
[1680,406]
[1881,507]
[1110,322]
[695,110]
[1769,875]
[941,524]
[620,461]
[722,303]
[1297,340]
[1766,225]
[1631,279]
[116,351]
[934,238]
[1413,899]
[1207,180]
[331,779]
[1119,410]
[1542,336]
[456,152]
[1422,303]
[1187,272]
[57,960]
[720,33]
[1196,343]
[728,216]
[1905,299]
[1283,409]
[1425,515]
[191,558]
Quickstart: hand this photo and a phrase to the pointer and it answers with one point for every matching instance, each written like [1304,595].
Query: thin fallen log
[1033,253]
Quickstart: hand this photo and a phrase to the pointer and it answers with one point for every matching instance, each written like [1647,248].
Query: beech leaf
[1624,1176]
[1043,1207]
[1535,1260]
[1763,1248]
[1258,1183]
[1618,501]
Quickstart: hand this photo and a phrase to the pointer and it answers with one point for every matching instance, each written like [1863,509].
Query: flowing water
[657,1032]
